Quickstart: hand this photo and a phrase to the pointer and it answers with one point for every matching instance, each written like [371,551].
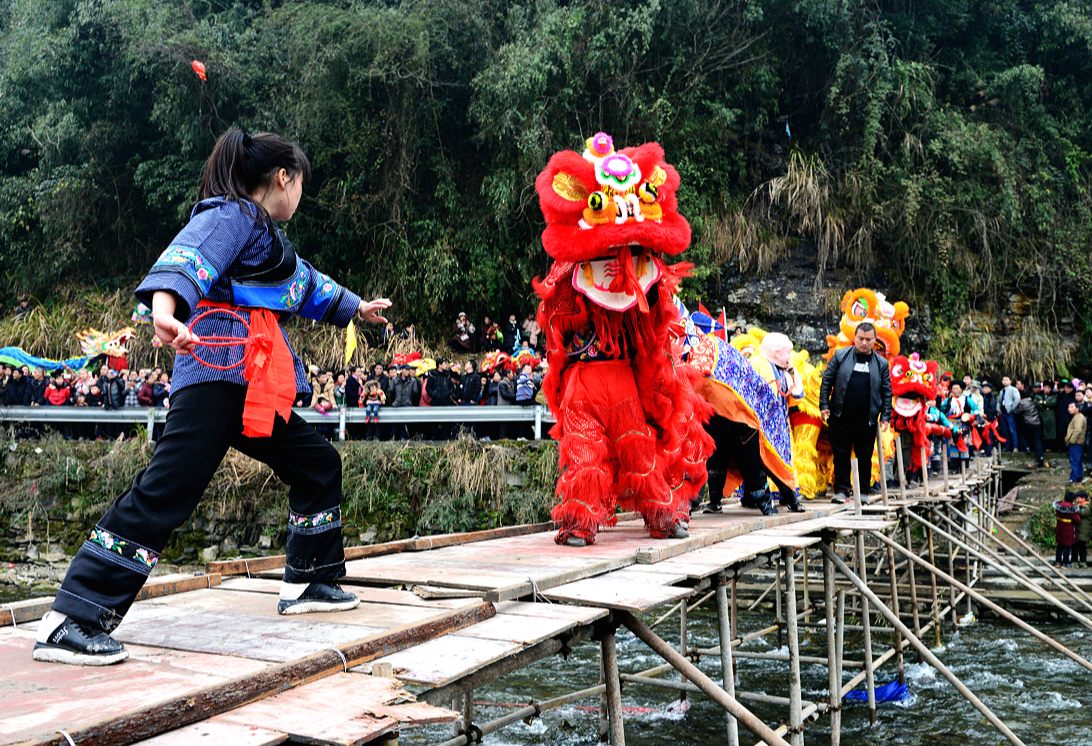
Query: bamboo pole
[900,664]
[883,463]
[951,588]
[913,578]
[933,589]
[682,643]
[935,662]
[1017,577]
[901,466]
[711,690]
[796,732]
[727,670]
[967,565]
[614,690]
[870,677]
[833,671]
[734,601]
[997,609]
[925,469]
[777,601]
[604,721]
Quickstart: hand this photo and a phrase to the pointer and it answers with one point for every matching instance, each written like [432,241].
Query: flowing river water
[1043,696]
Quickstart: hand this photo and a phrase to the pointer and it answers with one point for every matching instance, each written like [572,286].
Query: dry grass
[1034,351]
[808,201]
[966,346]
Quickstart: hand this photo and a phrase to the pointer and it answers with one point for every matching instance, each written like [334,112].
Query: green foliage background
[946,141]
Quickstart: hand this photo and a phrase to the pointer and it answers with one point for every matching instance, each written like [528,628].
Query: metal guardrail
[149,416]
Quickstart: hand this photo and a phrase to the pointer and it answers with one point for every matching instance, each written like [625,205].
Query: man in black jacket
[113,397]
[855,394]
[405,392]
[352,399]
[17,392]
[440,391]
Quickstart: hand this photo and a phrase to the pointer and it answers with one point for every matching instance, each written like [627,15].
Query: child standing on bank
[230,273]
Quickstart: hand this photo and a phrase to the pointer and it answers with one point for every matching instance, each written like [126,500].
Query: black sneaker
[319,597]
[81,645]
[711,508]
[839,498]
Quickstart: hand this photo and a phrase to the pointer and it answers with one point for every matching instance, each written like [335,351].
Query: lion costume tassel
[628,421]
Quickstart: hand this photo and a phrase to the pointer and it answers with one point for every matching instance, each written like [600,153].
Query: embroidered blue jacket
[224,255]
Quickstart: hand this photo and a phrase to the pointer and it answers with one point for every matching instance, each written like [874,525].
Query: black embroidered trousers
[205,420]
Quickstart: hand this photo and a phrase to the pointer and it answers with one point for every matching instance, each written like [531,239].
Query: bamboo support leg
[779,618]
[839,650]
[913,578]
[925,470]
[735,627]
[935,662]
[834,674]
[468,712]
[968,573]
[862,567]
[951,588]
[682,643]
[614,690]
[604,704]
[724,627]
[900,466]
[900,664]
[933,589]
[796,730]
[882,462]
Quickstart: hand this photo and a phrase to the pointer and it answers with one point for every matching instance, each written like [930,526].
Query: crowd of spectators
[110,389]
[1046,417]
[396,385]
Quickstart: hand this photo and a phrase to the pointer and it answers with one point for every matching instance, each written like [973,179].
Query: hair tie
[247,140]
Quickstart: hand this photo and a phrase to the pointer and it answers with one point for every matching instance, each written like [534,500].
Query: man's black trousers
[852,431]
[736,445]
[204,421]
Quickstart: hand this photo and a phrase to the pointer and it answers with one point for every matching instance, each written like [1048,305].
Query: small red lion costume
[628,421]
[914,384]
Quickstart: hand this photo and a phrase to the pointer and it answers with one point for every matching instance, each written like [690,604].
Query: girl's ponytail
[242,163]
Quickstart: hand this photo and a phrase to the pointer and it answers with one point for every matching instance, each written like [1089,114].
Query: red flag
[722,332]
[199,68]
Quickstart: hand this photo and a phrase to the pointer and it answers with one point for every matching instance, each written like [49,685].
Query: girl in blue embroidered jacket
[230,256]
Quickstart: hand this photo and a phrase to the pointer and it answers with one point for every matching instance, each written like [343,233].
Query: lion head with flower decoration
[914,386]
[861,305]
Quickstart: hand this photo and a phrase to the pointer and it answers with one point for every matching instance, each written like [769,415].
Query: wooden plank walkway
[218,629]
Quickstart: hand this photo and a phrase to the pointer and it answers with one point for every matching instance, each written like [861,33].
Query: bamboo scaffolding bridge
[443,616]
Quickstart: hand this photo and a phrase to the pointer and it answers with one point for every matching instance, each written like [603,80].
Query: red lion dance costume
[914,385]
[629,423]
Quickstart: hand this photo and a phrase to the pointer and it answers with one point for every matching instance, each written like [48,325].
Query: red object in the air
[199,68]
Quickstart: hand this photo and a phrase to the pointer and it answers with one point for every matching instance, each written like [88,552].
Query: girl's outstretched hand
[369,310]
[174,333]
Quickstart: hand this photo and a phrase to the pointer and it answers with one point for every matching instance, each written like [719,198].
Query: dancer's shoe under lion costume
[628,421]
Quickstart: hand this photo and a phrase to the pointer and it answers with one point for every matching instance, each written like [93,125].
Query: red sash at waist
[267,366]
